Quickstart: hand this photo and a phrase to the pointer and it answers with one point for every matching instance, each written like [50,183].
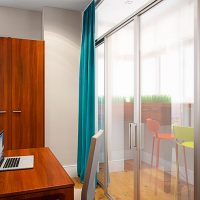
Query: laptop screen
[1,144]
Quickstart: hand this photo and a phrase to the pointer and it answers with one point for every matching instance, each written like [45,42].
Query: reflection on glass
[100,105]
[112,12]
[167,85]
[120,112]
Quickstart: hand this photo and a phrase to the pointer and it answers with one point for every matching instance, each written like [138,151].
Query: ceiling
[78,5]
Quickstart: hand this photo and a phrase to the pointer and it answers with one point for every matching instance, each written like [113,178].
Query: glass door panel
[100,107]
[108,15]
[120,99]
[167,101]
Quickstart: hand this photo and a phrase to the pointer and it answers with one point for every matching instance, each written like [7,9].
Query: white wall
[20,23]
[61,30]
[62,35]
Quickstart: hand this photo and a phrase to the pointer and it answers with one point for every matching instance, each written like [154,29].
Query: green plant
[144,99]
[156,99]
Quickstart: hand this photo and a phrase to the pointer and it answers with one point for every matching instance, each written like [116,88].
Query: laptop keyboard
[11,162]
[1,162]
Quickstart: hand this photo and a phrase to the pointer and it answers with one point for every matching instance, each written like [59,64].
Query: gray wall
[18,23]
[62,35]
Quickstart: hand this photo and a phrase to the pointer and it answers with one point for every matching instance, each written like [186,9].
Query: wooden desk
[46,181]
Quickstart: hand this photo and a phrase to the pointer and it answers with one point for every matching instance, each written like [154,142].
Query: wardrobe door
[27,93]
[5,90]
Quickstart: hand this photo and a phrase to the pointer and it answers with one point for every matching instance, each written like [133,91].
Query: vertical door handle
[132,135]
[2,111]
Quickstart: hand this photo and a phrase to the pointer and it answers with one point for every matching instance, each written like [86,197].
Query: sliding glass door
[148,109]
[100,107]
[167,101]
[120,105]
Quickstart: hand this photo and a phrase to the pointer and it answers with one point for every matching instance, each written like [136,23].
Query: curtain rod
[97,3]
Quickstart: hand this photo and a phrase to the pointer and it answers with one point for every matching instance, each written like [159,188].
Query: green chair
[184,138]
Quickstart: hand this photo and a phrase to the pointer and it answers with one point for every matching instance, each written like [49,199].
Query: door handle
[2,111]
[17,111]
[132,135]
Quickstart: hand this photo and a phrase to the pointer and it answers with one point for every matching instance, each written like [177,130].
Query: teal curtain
[86,123]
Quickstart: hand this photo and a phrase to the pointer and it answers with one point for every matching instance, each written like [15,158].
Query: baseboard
[116,165]
[129,154]
[71,170]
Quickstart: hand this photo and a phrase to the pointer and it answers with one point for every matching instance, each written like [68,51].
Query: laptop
[13,163]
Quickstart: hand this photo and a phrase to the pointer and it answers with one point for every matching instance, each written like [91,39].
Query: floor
[155,184]
[99,194]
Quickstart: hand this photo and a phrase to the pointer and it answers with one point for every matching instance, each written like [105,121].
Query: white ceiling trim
[38,5]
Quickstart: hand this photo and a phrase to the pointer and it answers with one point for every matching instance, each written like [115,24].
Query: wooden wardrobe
[22,92]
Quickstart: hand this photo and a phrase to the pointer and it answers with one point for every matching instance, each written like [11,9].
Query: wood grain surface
[47,180]
[27,93]
[5,90]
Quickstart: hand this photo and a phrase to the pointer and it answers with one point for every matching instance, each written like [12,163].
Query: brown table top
[47,174]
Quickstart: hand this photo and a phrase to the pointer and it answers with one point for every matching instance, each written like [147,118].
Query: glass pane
[100,104]
[112,12]
[167,85]
[120,112]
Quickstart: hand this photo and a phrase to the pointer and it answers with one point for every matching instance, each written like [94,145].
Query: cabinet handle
[17,111]
[2,111]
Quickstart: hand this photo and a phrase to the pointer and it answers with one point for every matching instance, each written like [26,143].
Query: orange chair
[153,127]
